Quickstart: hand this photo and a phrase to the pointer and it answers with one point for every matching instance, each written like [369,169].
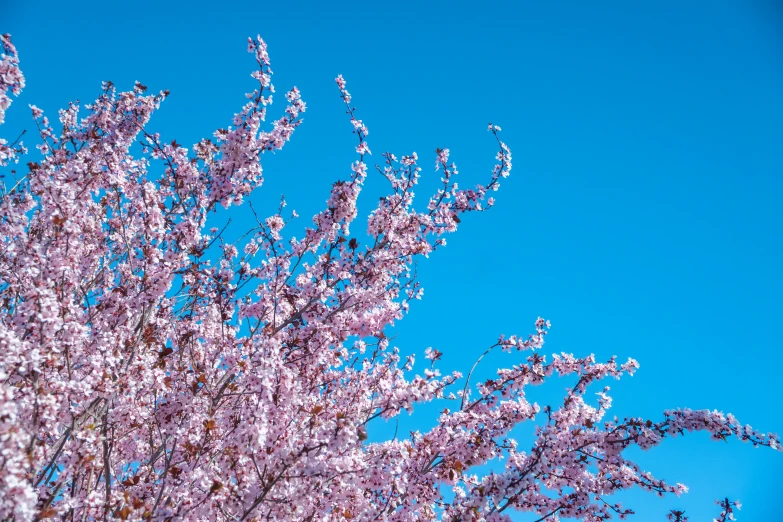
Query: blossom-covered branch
[151,370]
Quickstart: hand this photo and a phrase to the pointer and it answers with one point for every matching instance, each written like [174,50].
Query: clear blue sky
[643,215]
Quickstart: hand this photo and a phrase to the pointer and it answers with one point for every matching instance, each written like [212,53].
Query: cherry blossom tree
[150,370]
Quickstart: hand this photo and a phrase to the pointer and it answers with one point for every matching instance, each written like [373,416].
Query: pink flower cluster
[11,79]
[149,370]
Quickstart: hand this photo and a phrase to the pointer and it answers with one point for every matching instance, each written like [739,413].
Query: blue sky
[642,217]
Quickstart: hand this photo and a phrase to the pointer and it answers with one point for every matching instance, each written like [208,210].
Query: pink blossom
[152,370]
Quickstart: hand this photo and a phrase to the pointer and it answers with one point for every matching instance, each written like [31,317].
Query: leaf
[166,351]
[352,244]
[149,334]
[131,481]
